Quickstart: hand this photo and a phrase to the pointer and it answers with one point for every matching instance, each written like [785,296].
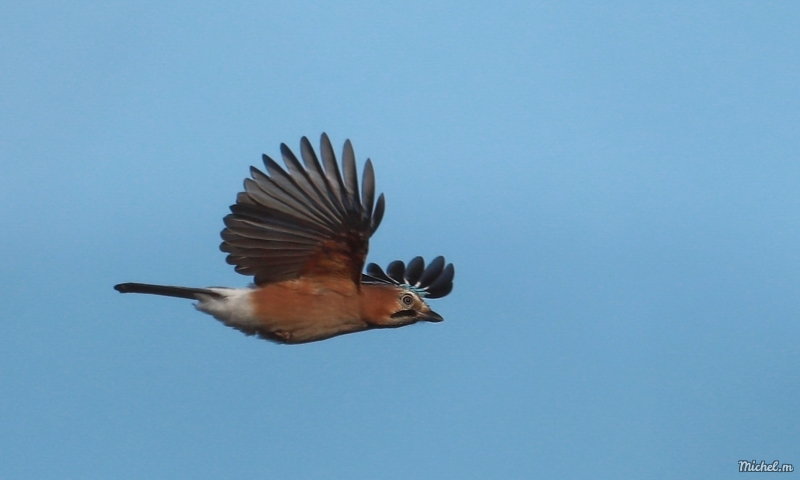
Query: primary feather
[303,219]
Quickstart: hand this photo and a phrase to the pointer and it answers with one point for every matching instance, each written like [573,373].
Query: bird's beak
[431,316]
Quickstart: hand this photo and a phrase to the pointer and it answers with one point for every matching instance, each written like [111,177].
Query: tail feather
[167,291]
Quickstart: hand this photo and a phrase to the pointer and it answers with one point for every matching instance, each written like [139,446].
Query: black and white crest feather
[433,281]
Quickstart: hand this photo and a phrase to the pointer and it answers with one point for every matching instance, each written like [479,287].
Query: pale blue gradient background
[618,186]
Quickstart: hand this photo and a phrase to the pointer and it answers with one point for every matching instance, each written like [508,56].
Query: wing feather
[315,171]
[433,281]
[350,176]
[432,271]
[377,216]
[306,219]
[368,189]
[396,270]
[414,270]
[332,174]
[308,183]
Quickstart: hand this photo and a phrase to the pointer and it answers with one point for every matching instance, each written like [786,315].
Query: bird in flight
[303,234]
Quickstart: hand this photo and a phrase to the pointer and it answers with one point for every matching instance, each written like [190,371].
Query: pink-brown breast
[308,309]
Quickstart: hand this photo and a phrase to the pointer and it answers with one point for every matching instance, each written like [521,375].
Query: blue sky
[617,185]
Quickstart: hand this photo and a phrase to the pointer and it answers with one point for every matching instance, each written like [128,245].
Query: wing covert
[305,220]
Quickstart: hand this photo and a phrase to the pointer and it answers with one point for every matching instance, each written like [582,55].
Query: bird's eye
[407,300]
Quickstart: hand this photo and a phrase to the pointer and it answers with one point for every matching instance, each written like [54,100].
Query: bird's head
[392,306]
[398,298]
[410,307]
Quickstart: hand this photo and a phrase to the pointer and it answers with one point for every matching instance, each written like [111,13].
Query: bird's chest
[303,311]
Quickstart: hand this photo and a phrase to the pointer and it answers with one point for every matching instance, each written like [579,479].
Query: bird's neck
[377,303]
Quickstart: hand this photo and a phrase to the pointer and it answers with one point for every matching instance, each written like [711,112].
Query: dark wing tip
[377,214]
[376,274]
[435,280]
[397,271]
[443,284]
[414,270]
[432,271]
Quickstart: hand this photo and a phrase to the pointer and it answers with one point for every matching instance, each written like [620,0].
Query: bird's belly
[291,312]
[303,329]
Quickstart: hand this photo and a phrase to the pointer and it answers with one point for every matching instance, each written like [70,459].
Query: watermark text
[753,466]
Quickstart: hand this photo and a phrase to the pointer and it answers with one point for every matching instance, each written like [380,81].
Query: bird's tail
[167,291]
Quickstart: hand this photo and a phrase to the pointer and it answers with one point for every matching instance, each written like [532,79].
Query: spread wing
[305,220]
[433,281]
